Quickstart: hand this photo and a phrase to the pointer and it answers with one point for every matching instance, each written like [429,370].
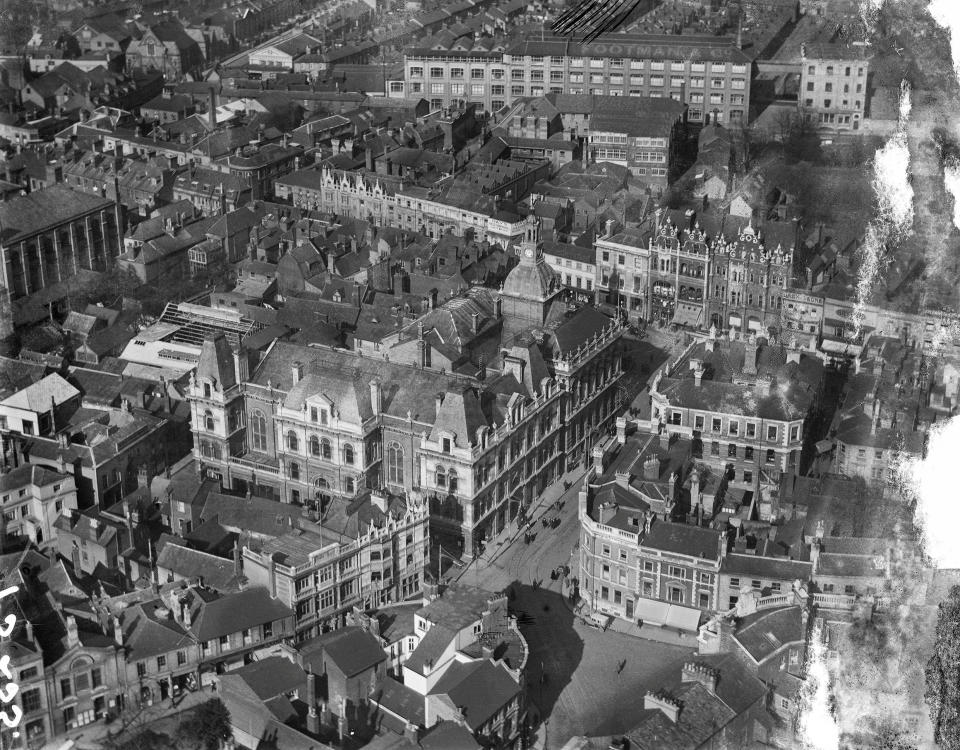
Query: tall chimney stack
[313,718]
[213,107]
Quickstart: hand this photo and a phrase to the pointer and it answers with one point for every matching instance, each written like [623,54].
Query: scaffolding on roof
[194,323]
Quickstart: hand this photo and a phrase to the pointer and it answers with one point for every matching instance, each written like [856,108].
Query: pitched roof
[762,633]
[479,689]
[214,614]
[273,676]
[38,476]
[28,214]
[353,649]
[683,539]
[149,630]
[186,563]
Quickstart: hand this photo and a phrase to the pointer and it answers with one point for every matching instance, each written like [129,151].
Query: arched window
[206,390]
[452,481]
[292,442]
[441,477]
[314,445]
[395,463]
[295,471]
[258,431]
[348,454]
[208,420]
[325,451]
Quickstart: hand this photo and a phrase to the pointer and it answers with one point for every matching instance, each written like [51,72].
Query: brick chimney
[313,717]
[606,512]
[702,673]
[73,634]
[663,702]
[651,468]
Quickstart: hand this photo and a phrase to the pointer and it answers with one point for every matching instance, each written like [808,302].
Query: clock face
[528,252]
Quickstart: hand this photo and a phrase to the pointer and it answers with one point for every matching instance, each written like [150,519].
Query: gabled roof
[352,649]
[479,689]
[765,632]
[214,615]
[272,677]
[149,630]
[38,397]
[186,563]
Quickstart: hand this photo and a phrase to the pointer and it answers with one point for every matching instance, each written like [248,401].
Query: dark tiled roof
[765,567]
[448,735]
[764,632]
[401,700]
[214,615]
[479,689]
[31,213]
[352,649]
[271,677]
[683,539]
[217,572]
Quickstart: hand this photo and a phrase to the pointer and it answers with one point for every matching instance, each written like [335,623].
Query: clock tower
[530,288]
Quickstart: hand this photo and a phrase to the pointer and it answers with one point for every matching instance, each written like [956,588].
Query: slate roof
[401,700]
[459,606]
[185,563]
[252,514]
[149,629]
[703,714]
[480,689]
[766,567]
[353,650]
[39,396]
[448,735]
[34,212]
[30,474]
[763,633]
[273,676]
[430,648]
[214,614]
[683,539]
[793,387]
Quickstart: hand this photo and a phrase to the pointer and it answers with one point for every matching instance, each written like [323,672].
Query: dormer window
[314,414]
[446,445]
[206,390]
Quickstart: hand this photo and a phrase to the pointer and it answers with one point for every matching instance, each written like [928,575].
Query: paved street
[583,693]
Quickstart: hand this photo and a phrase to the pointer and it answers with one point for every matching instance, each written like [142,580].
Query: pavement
[94,736]
[506,556]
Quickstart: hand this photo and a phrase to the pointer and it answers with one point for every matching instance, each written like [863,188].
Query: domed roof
[532,278]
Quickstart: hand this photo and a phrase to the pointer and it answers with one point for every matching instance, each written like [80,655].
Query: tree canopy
[943,674]
[207,727]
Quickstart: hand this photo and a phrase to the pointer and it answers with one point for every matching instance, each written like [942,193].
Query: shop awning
[684,618]
[651,611]
[664,614]
[688,314]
